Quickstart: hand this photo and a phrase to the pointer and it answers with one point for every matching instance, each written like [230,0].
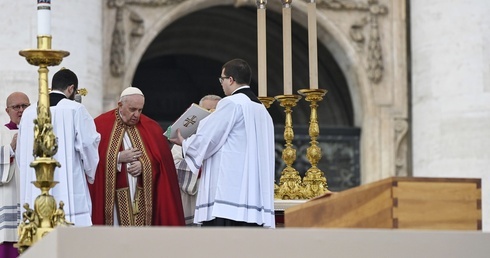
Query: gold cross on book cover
[187,122]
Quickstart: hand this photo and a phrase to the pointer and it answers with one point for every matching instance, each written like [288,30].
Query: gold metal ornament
[266,101]
[37,222]
[290,187]
[314,181]
[82,92]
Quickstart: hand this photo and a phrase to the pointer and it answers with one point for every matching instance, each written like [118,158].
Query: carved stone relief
[118,45]
[401,146]
[372,10]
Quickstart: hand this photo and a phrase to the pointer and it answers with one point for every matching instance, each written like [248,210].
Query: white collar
[242,87]
[58,92]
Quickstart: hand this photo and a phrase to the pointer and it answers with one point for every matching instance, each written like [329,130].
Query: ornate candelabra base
[290,182]
[41,220]
[314,182]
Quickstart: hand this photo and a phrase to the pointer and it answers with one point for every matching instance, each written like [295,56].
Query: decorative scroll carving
[401,146]
[138,29]
[118,45]
[372,9]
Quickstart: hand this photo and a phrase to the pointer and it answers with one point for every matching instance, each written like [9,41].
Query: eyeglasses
[17,107]
[221,79]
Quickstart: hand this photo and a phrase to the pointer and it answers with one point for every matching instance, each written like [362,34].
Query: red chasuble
[158,189]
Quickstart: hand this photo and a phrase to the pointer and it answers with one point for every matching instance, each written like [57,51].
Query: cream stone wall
[76,27]
[18,32]
[451,91]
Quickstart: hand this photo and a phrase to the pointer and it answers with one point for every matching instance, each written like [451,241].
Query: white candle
[287,52]
[312,46]
[262,48]
[43,17]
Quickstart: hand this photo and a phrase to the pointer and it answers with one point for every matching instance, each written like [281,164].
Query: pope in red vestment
[133,151]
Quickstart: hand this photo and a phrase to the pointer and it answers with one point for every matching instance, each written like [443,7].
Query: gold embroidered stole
[121,197]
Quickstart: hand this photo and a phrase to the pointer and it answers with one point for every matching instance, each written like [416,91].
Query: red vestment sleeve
[167,205]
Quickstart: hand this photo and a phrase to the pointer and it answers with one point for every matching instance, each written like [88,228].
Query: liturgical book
[187,122]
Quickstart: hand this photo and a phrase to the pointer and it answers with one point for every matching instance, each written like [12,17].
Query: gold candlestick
[37,223]
[266,101]
[290,182]
[314,182]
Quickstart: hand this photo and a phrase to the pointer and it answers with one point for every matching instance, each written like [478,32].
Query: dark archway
[184,61]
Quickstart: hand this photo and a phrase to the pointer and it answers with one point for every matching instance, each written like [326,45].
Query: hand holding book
[187,123]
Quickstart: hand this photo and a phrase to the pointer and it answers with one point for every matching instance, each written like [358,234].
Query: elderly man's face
[209,104]
[130,108]
[16,104]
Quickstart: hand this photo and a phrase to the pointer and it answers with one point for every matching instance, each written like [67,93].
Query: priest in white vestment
[234,148]
[77,153]
[16,103]
[9,197]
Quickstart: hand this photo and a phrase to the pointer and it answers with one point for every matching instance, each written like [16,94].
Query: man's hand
[128,156]
[13,144]
[177,140]
[134,168]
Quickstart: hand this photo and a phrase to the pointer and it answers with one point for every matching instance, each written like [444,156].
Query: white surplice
[9,185]
[188,184]
[77,153]
[235,147]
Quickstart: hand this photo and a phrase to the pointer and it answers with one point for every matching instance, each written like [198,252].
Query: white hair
[209,97]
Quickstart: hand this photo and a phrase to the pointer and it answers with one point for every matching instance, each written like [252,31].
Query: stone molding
[118,42]
[371,10]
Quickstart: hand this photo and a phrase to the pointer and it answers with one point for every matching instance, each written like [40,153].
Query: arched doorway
[183,62]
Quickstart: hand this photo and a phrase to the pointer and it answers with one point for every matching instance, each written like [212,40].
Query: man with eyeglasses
[234,150]
[17,102]
[78,142]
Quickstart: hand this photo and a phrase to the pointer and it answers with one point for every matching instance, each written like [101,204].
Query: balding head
[16,103]
[209,102]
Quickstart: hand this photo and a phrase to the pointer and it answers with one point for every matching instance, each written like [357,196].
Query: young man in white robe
[77,153]
[234,148]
